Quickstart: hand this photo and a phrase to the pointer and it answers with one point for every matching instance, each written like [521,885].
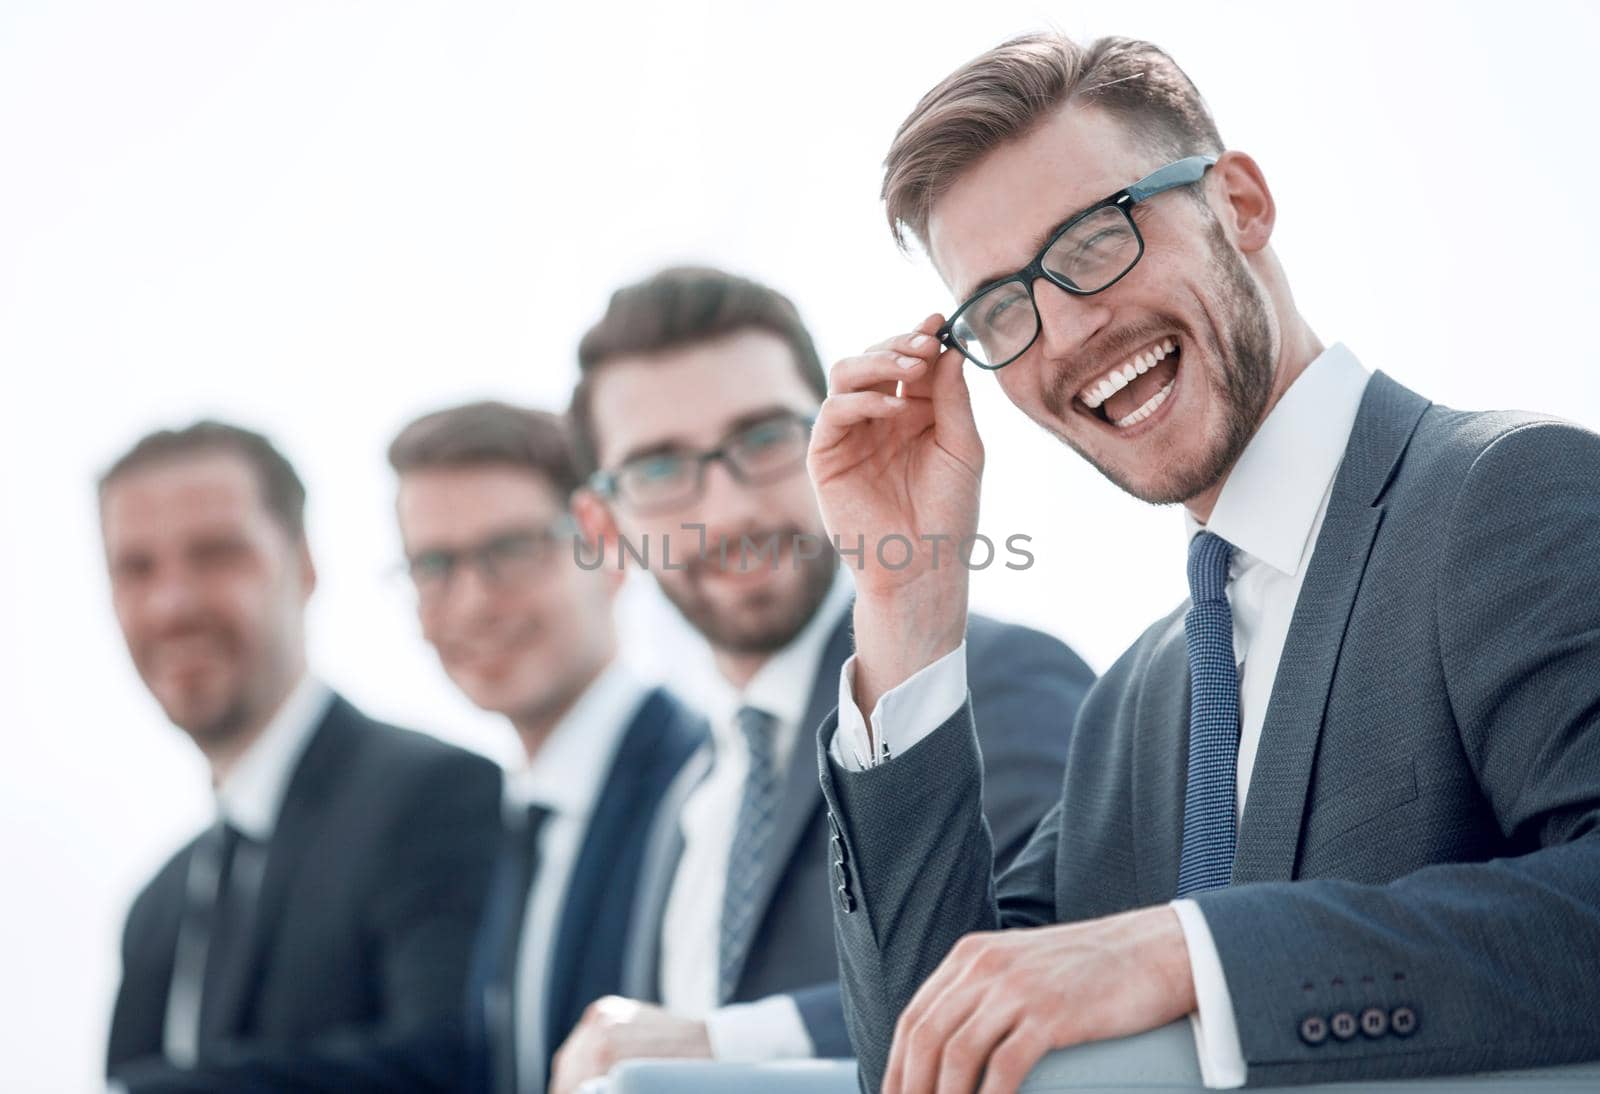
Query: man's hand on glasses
[896,460]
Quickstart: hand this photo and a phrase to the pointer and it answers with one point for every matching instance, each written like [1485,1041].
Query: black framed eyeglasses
[1090,253]
[756,454]
[510,557]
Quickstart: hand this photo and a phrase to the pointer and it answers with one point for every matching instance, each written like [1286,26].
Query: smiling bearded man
[1343,805]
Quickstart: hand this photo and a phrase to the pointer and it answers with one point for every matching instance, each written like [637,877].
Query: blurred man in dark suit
[526,632]
[335,898]
[693,412]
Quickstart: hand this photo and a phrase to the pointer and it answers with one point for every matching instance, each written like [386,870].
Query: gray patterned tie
[751,835]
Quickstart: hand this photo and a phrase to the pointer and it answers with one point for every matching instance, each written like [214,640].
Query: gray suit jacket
[1421,838]
[1021,681]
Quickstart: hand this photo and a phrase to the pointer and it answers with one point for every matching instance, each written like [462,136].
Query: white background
[324,218]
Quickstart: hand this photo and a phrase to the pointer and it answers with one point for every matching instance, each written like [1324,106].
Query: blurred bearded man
[693,415]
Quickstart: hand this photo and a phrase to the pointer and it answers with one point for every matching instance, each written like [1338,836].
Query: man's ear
[596,523]
[1247,210]
[308,568]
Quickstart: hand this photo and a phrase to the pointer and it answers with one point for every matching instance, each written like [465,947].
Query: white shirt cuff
[768,1029]
[1216,1036]
[904,715]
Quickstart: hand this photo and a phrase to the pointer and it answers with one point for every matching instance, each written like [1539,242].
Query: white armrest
[1163,1062]
[1159,1062]
[704,1077]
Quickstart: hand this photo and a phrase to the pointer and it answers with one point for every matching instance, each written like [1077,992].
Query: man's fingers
[566,1072]
[1013,1058]
[967,1051]
[842,413]
[927,1012]
[952,406]
[922,1053]
[920,342]
[880,370]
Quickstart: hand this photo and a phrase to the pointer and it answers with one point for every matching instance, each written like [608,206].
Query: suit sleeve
[149,941]
[917,837]
[913,869]
[1484,965]
[433,885]
[821,1008]
[1026,690]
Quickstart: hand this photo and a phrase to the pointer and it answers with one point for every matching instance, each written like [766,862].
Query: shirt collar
[782,686]
[1269,505]
[252,794]
[568,771]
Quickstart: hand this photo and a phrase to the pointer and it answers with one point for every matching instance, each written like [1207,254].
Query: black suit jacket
[462,1053]
[1024,681]
[374,882]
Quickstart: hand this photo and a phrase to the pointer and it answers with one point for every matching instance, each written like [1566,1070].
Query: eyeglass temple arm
[1178,173]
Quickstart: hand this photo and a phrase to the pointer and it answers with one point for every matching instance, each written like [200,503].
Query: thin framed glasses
[511,557]
[763,452]
[1090,253]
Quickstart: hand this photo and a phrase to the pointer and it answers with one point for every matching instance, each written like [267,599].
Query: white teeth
[1124,374]
[1149,407]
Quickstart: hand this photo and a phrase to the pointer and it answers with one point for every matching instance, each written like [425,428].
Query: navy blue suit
[586,961]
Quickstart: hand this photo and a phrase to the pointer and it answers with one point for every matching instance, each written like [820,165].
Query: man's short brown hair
[683,306]
[282,492]
[1004,93]
[489,434]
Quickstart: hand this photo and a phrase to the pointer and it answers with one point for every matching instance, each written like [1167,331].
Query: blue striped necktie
[1209,833]
[752,833]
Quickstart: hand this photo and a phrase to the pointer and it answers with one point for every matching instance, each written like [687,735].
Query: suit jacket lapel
[150,951]
[1269,831]
[296,829]
[1160,765]
[587,910]
[641,972]
[802,791]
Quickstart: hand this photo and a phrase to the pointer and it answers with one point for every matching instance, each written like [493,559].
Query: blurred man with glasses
[1341,807]
[692,416]
[525,631]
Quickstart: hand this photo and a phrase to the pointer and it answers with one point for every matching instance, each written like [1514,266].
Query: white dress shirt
[566,777]
[249,798]
[770,1028]
[1270,509]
